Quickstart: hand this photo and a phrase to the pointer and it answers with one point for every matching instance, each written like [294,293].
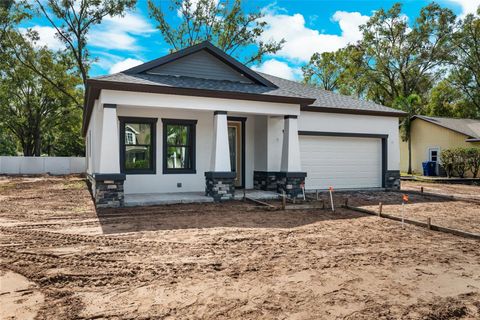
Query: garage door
[341,162]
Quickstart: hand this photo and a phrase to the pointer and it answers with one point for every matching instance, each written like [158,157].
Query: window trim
[193,137]
[153,149]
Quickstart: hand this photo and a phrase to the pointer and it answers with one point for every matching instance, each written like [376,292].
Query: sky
[308,26]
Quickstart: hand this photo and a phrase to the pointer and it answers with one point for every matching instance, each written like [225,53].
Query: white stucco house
[198,120]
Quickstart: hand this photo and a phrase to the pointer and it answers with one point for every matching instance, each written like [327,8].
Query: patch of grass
[75,185]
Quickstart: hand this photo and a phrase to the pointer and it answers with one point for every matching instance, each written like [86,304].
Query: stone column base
[265,180]
[107,190]
[392,179]
[291,183]
[220,185]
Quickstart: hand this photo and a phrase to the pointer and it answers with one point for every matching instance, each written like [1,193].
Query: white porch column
[110,145]
[220,161]
[291,148]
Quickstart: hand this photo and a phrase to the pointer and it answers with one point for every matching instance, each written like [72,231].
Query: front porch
[152,199]
[164,155]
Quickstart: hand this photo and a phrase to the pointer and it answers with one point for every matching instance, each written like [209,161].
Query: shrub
[447,157]
[459,161]
[474,160]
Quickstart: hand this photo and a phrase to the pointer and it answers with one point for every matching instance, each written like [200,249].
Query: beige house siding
[426,135]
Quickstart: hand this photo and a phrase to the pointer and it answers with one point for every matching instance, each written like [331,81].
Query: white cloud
[119,32]
[124,65]
[47,37]
[279,69]
[302,42]
[468,6]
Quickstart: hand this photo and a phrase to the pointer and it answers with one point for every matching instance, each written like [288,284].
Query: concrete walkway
[151,199]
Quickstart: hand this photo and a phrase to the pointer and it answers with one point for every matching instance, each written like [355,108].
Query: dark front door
[235,140]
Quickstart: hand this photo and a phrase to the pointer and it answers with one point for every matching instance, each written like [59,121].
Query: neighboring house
[198,120]
[431,135]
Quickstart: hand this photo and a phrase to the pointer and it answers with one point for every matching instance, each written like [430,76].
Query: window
[137,143]
[179,146]
[433,154]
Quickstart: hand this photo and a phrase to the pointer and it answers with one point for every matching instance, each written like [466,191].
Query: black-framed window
[137,145]
[179,146]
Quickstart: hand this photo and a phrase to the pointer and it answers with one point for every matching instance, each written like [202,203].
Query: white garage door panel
[341,162]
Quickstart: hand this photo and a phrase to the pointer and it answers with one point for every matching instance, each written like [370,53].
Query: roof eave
[94,87]
[399,114]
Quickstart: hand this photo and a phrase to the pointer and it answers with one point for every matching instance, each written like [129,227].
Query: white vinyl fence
[42,165]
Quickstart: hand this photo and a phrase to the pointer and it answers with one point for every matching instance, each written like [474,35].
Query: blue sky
[308,26]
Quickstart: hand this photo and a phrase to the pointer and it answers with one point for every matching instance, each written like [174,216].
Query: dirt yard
[62,260]
[460,215]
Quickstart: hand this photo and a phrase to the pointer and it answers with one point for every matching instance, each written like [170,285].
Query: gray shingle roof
[327,99]
[286,88]
[197,83]
[468,127]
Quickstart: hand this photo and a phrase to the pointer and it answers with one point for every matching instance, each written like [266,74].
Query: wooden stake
[316,194]
[380,208]
[421,189]
[429,223]
[331,198]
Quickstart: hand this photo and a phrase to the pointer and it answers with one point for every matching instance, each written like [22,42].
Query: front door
[236,157]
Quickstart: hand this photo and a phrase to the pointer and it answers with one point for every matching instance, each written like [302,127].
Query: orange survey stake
[405,198]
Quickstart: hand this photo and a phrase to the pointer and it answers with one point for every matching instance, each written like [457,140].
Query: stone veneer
[265,180]
[107,190]
[392,179]
[220,185]
[290,182]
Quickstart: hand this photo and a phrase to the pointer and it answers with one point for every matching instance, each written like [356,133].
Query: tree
[445,100]
[8,142]
[72,20]
[465,74]
[31,106]
[412,106]
[399,59]
[324,70]
[223,23]
[336,71]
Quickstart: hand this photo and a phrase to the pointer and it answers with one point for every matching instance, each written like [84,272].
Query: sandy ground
[465,191]
[62,260]
[460,215]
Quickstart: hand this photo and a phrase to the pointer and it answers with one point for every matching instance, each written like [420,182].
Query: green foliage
[433,57]
[72,20]
[8,145]
[31,106]
[223,23]
[465,74]
[460,160]
[402,59]
[138,164]
[473,160]
[447,101]
[447,158]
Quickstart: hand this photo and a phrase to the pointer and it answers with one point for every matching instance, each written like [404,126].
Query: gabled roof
[468,127]
[210,48]
[260,87]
